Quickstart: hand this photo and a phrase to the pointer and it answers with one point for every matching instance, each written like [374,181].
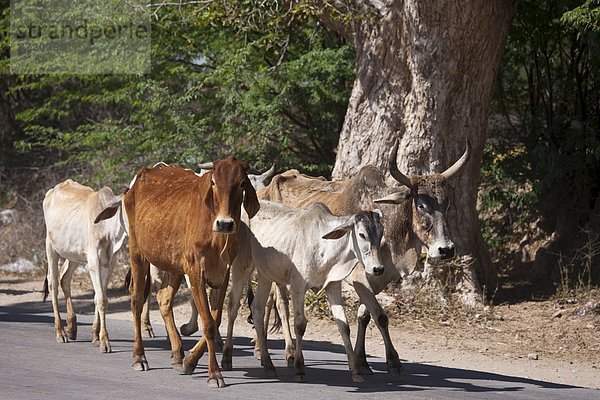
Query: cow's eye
[362,235]
[212,182]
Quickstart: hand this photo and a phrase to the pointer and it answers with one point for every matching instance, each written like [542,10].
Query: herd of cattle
[297,231]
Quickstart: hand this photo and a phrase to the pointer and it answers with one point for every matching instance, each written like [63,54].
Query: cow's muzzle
[224,225]
[378,270]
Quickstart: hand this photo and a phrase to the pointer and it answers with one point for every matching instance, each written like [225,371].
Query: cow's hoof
[188,368]
[216,382]
[226,365]
[358,379]
[188,329]
[397,370]
[300,378]
[72,334]
[365,370]
[141,365]
[177,365]
[105,348]
[62,339]
[148,332]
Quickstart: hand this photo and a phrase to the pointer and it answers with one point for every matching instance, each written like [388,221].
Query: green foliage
[228,77]
[586,17]
[543,159]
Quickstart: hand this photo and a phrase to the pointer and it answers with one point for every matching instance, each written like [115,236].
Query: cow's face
[429,203]
[367,234]
[429,206]
[229,189]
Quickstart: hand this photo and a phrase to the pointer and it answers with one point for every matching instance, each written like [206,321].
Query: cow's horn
[206,165]
[270,172]
[458,164]
[394,171]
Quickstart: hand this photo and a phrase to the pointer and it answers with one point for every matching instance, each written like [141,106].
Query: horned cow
[414,219]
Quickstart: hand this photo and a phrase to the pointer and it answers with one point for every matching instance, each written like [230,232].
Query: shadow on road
[325,362]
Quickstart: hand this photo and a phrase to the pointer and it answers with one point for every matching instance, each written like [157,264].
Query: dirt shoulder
[543,340]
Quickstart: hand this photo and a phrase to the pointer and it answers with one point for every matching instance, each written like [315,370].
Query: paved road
[34,366]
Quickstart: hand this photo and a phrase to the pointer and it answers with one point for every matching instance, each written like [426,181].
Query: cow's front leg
[209,328]
[165,295]
[369,300]
[334,295]
[362,321]
[298,295]
[99,271]
[258,312]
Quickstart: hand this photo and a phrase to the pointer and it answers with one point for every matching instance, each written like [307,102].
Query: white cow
[71,234]
[290,246]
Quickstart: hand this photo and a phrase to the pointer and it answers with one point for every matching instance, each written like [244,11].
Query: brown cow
[416,219]
[186,224]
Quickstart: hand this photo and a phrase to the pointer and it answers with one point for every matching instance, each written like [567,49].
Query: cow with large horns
[186,224]
[415,219]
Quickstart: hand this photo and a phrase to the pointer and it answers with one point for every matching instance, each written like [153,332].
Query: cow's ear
[340,231]
[109,211]
[209,198]
[395,198]
[251,204]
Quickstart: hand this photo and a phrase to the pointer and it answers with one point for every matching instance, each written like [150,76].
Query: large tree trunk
[425,72]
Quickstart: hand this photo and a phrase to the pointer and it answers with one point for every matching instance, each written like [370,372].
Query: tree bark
[424,75]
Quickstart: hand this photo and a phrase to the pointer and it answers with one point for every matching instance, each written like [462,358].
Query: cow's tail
[148,284]
[249,300]
[128,282]
[45,290]
[277,317]
[277,321]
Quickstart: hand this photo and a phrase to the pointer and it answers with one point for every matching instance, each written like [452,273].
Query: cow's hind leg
[65,282]
[258,311]
[298,296]
[165,296]
[99,265]
[53,258]
[283,306]
[240,275]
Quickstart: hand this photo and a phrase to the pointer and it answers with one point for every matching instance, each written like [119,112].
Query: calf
[288,247]
[69,212]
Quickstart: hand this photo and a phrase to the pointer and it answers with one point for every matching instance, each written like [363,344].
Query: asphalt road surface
[34,366]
